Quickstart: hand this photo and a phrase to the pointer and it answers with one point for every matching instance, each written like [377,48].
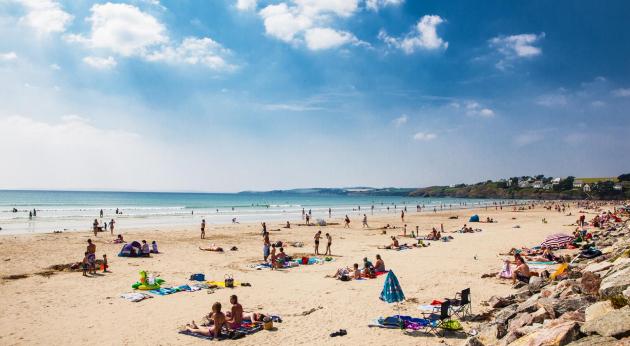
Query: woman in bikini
[218,322]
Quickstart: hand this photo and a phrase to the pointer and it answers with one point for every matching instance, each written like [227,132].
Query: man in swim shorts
[235,316]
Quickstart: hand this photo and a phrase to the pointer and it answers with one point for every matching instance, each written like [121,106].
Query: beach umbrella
[392,292]
[557,240]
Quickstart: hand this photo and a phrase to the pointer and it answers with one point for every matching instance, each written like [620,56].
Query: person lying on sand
[235,316]
[212,248]
[218,320]
[347,274]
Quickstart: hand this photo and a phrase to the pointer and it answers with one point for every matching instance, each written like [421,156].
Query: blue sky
[242,94]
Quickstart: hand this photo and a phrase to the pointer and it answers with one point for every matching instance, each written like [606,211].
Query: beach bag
[198,277]
[229,281]
[304,260]
[267,323]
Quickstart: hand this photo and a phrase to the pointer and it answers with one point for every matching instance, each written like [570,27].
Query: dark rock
[521,320]
[590,283]
[505,314]
[572,304]
[615,283]
[500,302]
[530,305]
[595,340]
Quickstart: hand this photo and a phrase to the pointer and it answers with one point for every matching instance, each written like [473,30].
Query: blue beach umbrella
[392,292]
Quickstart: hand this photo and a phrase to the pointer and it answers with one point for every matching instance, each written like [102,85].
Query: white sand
[67,308]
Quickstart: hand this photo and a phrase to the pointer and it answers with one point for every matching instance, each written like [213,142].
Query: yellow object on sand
[222,283]
[559,271]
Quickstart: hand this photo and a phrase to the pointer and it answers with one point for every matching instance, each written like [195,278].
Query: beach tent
[474,218]
[132,249]
[557,240]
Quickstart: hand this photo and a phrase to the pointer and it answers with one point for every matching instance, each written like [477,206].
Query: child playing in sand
[105,266]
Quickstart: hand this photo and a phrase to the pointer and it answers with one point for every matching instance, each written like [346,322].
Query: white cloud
[9,56]
[621,92]
[45,16]
[475,109]
[127,31]
[195,51]
[123,29]
[307,21]
[246,5]
[516,47]
[424,136]
[55,67]
[326,38]
[423,36]
[401,120]
[375,5]
[100,63]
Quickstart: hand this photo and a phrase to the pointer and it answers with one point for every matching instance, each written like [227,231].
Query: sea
[76,210]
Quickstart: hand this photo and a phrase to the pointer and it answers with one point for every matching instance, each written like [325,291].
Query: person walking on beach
[203,229]
[402,216]
[105,226]
[329,213]
[101,213]
[365,224]
[308,219]
[264,226]
[346,222]
[111,226]
[266,245]
[329,238]
[303,213]
[318,235]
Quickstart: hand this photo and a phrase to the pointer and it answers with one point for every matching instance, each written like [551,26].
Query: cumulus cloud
[424,36]
[45,16]
[100,63]
[246,5]
[401,120]
[127,31]
[516,47]
[375,5]
[307,21]
[424,136]
[475,109]
[621,92]
[9,56]
[326,38]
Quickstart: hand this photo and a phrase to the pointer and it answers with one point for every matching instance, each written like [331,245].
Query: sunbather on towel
[235,316]
[218,322]
[393,246]
[212,248]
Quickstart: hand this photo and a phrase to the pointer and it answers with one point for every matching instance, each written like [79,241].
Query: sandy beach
[66,308]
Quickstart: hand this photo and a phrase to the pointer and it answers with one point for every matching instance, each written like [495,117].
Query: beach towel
[135,297]
[244,329]
[222,283]
[506,272]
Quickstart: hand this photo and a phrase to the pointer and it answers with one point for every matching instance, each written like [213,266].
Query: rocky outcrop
[615,323]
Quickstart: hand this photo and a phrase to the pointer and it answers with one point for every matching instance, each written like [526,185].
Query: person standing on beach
[346,222]
[101,213]
[402,216]
[317,236]
[303,213]
[328,251]
[264,226]
[95,226]
[105,226]
[329,213]
[111,226]
[203,229]
[365,224]
[266,244]
[308,219]
[91,256]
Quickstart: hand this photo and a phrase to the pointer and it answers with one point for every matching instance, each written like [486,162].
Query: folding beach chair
[461,305]
[438,317]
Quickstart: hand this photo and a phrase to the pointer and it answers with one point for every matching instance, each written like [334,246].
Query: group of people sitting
[369,270]
[219,322]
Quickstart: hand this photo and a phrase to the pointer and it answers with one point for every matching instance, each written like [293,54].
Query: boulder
[548,305]
[500,302]
[626,293]
[615,283]
[535,284]
[505,314]
[560,334]
[595,340]
[598,310]
[522,294]
[616,323]
[597,267]
[539,315]
[577,316]
[530,305]
[572,303]
[521,320]
[590,283]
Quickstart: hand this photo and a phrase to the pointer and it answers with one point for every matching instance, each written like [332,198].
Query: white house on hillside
[523,184]
[618,187]
[538,184]
[586,188]
[577,184]
[555,181]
